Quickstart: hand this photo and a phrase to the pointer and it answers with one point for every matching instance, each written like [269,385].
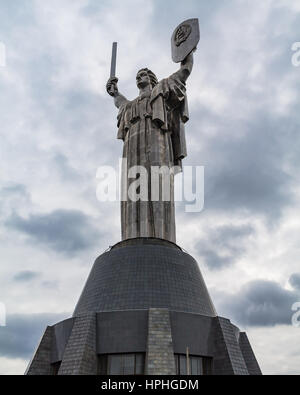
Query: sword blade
[114,60]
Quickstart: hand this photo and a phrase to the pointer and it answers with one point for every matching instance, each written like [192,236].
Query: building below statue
[145,310]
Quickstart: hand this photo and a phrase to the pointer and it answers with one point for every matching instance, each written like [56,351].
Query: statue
[152,129]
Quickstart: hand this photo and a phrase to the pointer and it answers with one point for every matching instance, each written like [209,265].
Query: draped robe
[152,129]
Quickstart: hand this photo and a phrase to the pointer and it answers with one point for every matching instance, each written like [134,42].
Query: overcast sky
[58,126]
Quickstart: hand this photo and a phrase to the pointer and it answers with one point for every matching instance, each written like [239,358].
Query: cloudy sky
[58,126]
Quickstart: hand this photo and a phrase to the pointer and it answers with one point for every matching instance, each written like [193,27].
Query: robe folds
[152,129]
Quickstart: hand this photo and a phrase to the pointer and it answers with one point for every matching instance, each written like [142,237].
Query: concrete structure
[145,309]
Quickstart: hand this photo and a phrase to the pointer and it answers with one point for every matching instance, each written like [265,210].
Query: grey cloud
[17,189]
[23,332]
[94,8]
[246,173]
[11,193]
[259,303]
[12,196]
[50,284]
[65,171]
[26,276]
[65,231]
[223,246]
[295,281]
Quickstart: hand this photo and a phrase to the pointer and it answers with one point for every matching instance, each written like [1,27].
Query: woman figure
[152,128]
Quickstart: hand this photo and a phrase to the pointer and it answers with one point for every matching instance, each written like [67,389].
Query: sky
[58,125]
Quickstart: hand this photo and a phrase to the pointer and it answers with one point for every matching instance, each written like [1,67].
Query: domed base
[142,274]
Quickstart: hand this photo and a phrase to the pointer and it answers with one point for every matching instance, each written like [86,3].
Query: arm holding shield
[184,43]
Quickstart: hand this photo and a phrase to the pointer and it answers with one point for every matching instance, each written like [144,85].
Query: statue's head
[146,77]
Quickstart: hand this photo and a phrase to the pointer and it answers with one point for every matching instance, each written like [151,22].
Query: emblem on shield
[182,34]
[184,39]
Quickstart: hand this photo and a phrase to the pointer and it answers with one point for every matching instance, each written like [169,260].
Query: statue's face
[142,79]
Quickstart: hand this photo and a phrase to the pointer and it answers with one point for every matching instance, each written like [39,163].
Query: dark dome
[145,273]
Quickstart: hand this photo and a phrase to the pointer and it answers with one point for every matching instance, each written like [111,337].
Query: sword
[113,64]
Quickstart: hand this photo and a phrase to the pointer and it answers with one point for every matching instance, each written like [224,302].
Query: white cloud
[277,349]
[12,367]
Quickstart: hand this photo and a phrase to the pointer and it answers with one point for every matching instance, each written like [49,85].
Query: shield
[185,38]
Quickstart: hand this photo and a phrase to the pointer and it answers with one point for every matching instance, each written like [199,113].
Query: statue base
[145,310]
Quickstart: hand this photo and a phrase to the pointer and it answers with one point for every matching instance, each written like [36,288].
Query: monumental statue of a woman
[152,129]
